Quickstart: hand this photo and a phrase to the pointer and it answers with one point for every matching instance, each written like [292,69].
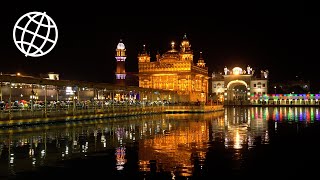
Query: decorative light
[237,71]
[172,45]
[69,91]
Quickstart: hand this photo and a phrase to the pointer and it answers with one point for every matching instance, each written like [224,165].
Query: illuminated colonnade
[285,99]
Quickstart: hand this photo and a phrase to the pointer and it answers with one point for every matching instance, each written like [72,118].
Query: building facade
[18,91]
[238,86]
[175,70]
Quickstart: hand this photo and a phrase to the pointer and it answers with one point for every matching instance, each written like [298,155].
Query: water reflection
[180,144]
[174,148]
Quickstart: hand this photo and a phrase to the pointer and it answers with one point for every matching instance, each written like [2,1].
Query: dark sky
[282,39]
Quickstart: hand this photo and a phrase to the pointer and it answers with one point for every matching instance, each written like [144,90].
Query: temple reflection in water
[178,143]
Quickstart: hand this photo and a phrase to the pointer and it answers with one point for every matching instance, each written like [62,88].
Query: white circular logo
[35,34]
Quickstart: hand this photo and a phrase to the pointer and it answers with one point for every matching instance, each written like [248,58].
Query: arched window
[259,84]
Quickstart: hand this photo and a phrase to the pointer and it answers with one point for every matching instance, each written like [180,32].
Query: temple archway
[240,86]
[237,92]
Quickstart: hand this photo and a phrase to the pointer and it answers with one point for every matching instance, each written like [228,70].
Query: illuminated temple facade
[175,70]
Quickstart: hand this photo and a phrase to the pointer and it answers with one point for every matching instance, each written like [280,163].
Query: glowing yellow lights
[18,74]
[176,71]
[172,44]
[221,98]
[237,141]
[174,147]
[164,74]
[237,81]
[237,71]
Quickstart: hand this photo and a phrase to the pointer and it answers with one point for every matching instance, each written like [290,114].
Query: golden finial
[172,45]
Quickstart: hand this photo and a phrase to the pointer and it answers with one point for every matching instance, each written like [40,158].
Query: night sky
[282,39]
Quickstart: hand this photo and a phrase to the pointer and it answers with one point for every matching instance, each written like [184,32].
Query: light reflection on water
[183,144]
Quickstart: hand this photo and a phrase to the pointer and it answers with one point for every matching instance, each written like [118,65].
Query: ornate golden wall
[175,71]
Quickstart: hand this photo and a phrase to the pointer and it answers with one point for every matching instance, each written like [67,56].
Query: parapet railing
[106,111]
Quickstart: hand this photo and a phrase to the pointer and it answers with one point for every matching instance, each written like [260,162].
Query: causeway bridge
[30,100]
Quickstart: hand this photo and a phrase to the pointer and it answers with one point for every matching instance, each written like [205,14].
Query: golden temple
[175,70]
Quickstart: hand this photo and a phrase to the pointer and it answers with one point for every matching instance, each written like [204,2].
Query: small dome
[121,45]
[237,70]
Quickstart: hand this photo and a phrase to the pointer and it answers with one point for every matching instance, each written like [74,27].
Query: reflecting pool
[237,142]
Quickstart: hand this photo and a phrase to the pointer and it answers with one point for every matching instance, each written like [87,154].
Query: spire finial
[172,44]
[185,36]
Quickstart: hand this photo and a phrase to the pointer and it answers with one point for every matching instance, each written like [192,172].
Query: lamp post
[45,102]
[75,97]
[31,99]
[275,89]
[1,91]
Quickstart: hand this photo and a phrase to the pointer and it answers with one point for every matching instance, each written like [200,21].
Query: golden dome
[172,53]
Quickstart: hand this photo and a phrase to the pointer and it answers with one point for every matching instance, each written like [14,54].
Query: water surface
[249,142]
